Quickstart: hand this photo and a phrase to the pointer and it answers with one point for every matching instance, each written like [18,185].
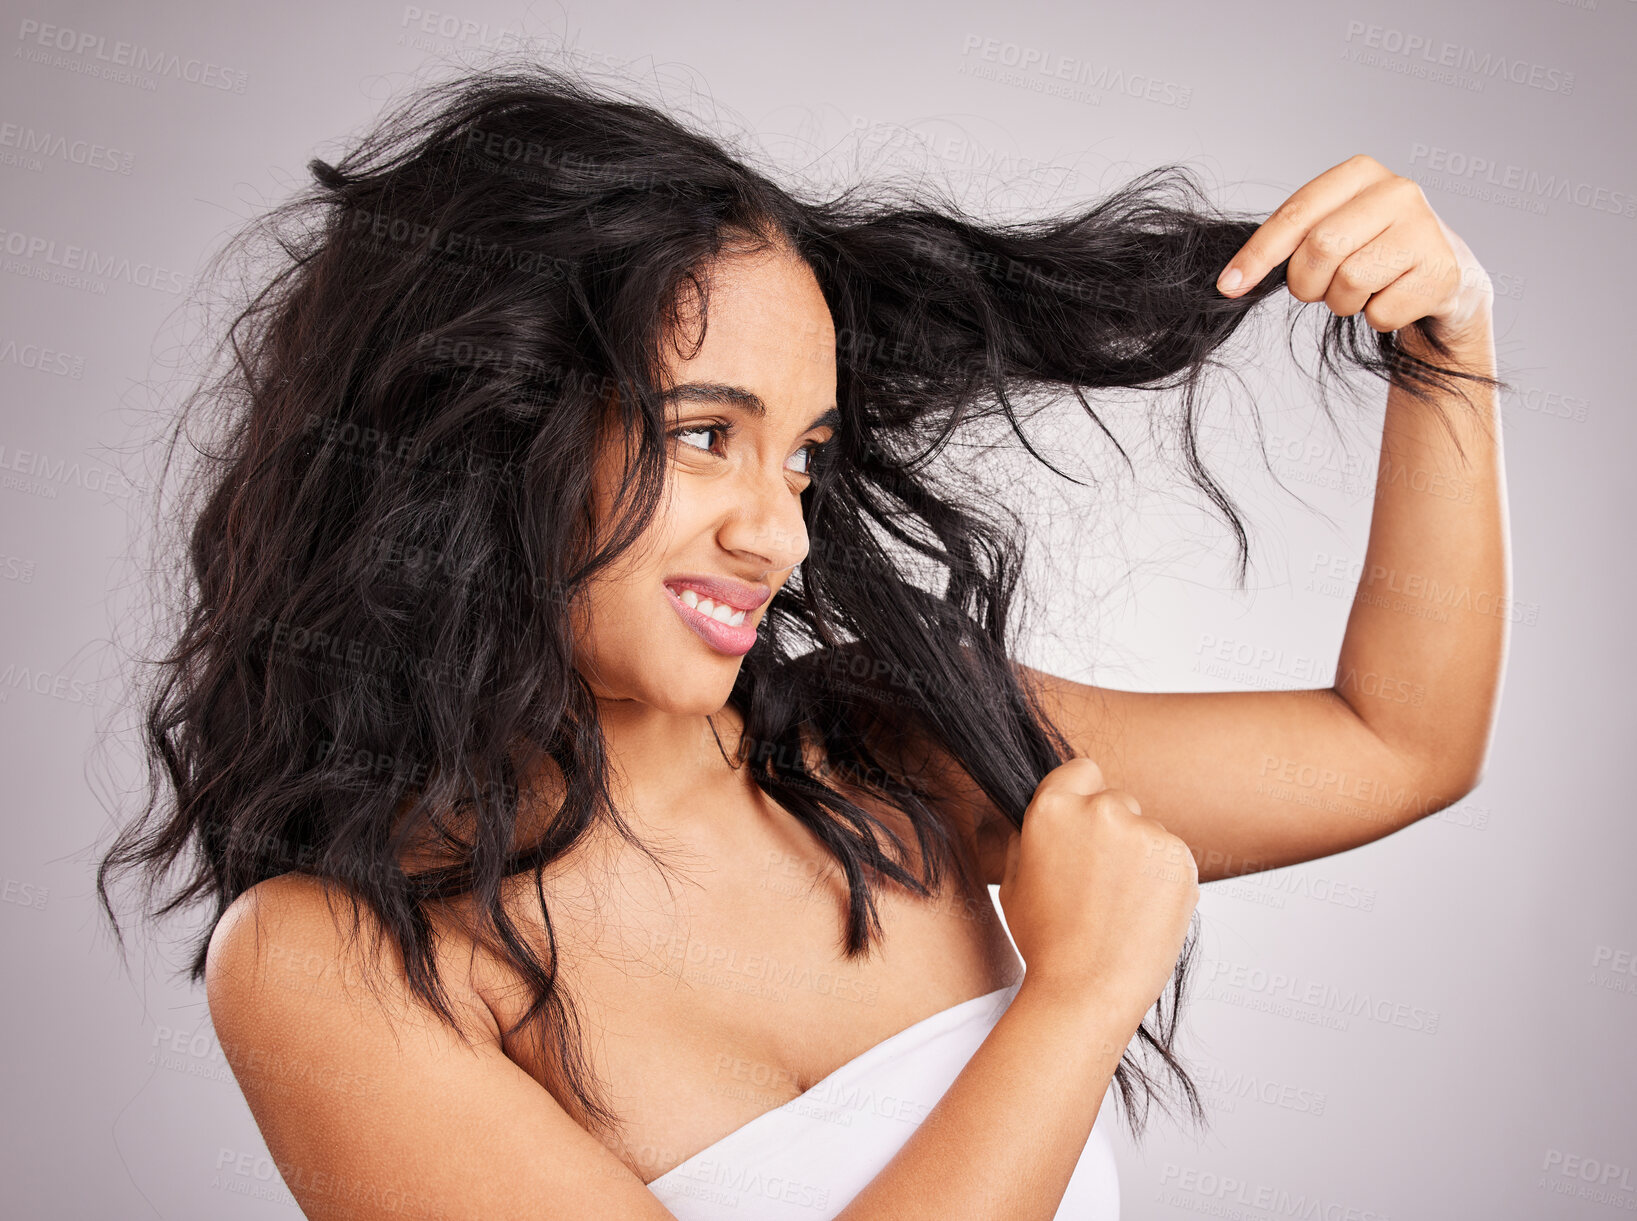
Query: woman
[573,534]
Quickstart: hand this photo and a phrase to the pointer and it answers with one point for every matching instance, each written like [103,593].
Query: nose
[763,520]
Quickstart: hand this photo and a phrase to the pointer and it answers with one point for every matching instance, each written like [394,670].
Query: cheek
[647,553]
[630,590]
[683,516]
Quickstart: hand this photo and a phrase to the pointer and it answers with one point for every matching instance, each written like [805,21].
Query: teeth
[722,614]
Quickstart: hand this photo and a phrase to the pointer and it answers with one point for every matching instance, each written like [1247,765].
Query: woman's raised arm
[1256,780]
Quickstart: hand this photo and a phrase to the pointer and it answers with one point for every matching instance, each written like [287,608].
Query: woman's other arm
[1097,896]
[1003,1141]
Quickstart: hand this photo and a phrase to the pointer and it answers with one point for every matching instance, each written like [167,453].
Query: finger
[1079,775]
[1277,237]
[1428,274]
[1367,271]
[1401,302]
[1336,237]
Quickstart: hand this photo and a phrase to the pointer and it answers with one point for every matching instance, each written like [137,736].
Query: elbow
[1443,782]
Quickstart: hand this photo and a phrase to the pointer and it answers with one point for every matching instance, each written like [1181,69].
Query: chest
[715,994]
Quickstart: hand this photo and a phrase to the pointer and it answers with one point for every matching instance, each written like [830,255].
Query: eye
[809,453]
[702,431]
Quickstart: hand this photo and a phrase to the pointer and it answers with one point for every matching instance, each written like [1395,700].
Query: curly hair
[397,511]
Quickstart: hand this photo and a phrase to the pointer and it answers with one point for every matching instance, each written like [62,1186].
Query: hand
[1096,896]
[1360,237]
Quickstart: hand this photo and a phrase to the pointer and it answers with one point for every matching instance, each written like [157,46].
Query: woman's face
[744,414]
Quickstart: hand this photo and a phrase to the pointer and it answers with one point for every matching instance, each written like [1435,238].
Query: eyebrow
[737,396]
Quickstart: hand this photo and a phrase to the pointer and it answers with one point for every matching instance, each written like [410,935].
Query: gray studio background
[1511,916]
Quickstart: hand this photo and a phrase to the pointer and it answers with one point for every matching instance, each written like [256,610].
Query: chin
[676,670]
[692,681]
[688,679]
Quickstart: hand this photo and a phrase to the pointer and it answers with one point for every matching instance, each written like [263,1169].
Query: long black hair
[393,515]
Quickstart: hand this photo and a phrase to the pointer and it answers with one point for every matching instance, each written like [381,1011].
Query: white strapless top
[808,1158]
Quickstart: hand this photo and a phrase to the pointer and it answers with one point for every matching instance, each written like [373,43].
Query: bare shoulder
[370,1102]
[255,930]
[292,945]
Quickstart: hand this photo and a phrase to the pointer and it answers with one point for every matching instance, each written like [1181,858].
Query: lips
[734,641]
[724,591]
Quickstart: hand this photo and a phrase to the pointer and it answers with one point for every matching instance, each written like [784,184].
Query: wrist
[1082,1007]
[1471,345]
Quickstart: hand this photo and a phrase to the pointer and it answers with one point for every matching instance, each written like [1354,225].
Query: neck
[666,773]
[660,763]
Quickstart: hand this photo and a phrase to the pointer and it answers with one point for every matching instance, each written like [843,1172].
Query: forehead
[768,329]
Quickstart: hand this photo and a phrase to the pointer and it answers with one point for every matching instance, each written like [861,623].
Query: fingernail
[1230,279]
